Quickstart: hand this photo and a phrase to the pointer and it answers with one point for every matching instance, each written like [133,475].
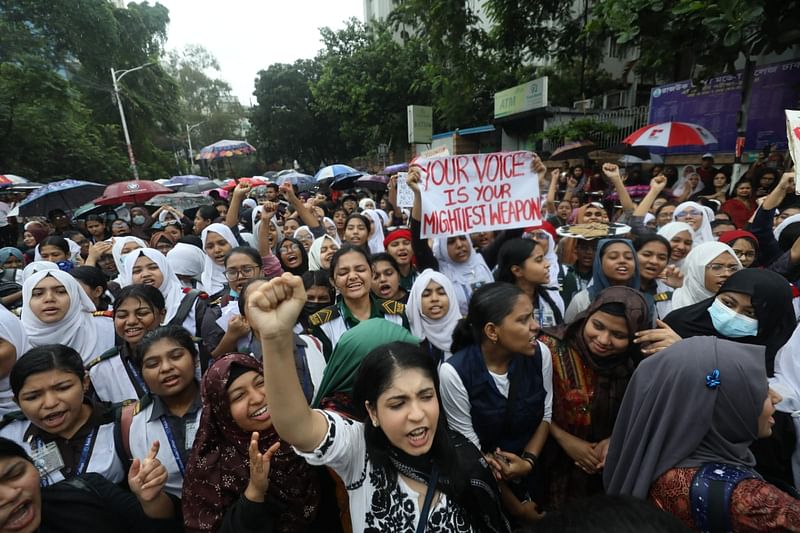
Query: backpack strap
[105,356]
[186,306]
[710,495]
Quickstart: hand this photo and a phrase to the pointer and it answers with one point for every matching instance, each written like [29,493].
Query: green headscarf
[351,349]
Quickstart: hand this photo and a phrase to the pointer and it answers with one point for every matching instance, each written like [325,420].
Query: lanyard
[172,444]
[83,461]
[422,525]
[135,375]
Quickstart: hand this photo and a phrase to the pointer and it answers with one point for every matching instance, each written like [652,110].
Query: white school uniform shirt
[343,449]
[144,431]
[103,460]
[111,381]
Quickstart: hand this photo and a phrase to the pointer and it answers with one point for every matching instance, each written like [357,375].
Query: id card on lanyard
[47,457]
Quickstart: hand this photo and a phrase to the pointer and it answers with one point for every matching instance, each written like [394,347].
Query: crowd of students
[286,362]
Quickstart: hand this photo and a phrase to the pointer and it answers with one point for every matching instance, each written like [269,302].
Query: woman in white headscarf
[12,344]
[138,268]
[187,262]
[688,185]
[319,257]
[56,310]
[305,236]
[698,217]
[432,313]
[707,267]
[218,240]
[366,204]
[121,248]
[330,229]
[465,267]
[681,240]
[375,241]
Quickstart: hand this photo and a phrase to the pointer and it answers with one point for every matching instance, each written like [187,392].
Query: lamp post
[117,75]
[189,138]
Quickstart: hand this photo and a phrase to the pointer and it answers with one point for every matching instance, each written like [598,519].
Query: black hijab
[771,299]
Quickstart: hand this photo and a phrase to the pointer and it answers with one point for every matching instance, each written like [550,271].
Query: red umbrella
[136,192]
[255,181]
[670,134]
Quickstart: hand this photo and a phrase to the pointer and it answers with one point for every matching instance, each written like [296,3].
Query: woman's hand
[611,171]
[288,191]
[537,165]
[601,449]
[259,470]
[672,276]
[99,249]
[655,340]
[238,326]
[412,179]
[242,189]
[273,307]
[268,210]
[147,477]
[658,183]
[510,465]
[583,453]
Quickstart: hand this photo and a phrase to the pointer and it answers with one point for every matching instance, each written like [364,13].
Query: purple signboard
[775,87]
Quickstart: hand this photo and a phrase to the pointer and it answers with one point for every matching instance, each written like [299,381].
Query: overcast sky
[249,35]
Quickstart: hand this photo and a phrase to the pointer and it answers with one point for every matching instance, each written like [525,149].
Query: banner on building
[531,95]
[479,192]
[420,124]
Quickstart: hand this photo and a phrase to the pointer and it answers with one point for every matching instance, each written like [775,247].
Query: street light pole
[115,77]
[189,138]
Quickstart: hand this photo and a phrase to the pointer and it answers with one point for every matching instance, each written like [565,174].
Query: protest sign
[480,192]
[439,151]
[793,138]
[405,196]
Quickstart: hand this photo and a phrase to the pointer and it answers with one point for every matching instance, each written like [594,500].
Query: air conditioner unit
[583,105]
[615,100]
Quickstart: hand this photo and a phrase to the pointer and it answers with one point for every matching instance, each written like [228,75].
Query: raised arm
[239,194]
[268,210]
[657,185]
[306,215]
[612,173]
[272,311]
[551,192]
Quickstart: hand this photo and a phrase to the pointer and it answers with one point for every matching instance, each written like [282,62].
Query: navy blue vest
[495,426]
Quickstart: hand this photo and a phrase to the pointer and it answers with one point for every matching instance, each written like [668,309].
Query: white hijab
[335,235]
[11,331]
[74,251]
[669,230]
[119,259]
[694,281]
[782,226]
[186,260]
[787,383]
[683,182]
[704,233]
[213,274]
[438,332]
[89,336]
[171,288]
[315,253]
[375,241]
[37,266]
[465,276]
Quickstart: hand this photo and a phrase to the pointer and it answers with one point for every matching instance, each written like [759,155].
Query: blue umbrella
[65,194]
[338,176]
[179,181]
[303,182]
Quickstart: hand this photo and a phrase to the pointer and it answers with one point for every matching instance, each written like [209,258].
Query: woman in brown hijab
[593,359]
[217,489]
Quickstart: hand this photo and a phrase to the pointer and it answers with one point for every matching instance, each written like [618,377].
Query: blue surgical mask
[138,220]
[731,324]
[233,294]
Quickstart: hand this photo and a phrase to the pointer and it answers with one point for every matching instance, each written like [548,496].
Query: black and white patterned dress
[377,505]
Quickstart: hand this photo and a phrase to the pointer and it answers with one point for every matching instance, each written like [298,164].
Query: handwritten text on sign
[481,192]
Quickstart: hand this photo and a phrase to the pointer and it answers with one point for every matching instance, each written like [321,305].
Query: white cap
[708,155]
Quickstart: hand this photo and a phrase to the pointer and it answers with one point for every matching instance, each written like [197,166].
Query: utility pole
[117,75]
[189,138]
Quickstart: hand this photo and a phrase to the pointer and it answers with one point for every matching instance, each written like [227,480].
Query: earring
[375,423]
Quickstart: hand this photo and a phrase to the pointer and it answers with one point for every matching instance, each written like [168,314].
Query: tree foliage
[579,129]
[57,114]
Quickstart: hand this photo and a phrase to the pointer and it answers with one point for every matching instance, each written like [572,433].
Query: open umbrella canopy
[671,134]
[181,200]
[254,181]
[65,194]
[573,150]
[225,148]
[181,181]
[394,169]
[303,182]
[331,172]
[12,179]
[134,191]
[90,208]
[375,182]
[202,186]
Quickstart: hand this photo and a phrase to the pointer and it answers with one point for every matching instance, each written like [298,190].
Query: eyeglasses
[717,268]
[290,248]
[244,272]
[743,254]
[689,212]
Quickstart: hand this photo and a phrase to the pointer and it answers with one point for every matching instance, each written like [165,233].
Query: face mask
[313,307]
[138,220]
[731,324]
[233,294]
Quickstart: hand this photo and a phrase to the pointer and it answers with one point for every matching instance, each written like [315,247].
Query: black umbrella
[573,150]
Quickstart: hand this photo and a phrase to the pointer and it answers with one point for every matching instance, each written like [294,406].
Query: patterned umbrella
[225,148]
[181,200]
[134,191]
[339,177]
[671,134]
[65,194]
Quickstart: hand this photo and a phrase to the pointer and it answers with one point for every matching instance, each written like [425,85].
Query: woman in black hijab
[661,452]
[753,306]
